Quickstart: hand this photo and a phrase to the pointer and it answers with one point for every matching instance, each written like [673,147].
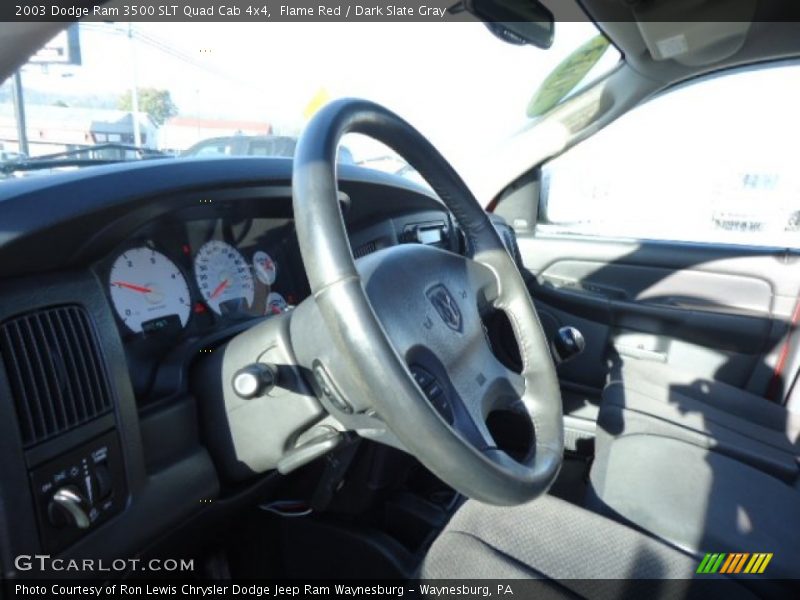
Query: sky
[462,87]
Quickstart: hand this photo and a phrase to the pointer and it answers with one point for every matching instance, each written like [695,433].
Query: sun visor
[694,32]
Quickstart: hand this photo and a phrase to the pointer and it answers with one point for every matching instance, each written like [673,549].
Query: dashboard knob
[254,380]
[67,508]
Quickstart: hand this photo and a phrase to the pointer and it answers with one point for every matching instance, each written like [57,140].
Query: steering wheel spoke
[482,384]
[471,423]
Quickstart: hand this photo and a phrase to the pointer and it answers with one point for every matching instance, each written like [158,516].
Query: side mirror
[513,21]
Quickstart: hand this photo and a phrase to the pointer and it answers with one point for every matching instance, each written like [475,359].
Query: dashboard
[183,282]
[116,282]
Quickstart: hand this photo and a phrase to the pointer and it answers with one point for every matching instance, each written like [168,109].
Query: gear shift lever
[567,344]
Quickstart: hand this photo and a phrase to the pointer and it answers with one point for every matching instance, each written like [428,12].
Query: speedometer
[148,288]
[224,278]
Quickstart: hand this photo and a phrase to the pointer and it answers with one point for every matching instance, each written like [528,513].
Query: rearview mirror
[514,21]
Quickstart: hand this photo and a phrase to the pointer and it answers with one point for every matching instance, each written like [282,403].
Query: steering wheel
[409,317]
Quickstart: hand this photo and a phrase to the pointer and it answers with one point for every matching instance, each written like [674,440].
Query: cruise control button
[422,377]
[443,408]
[434,391]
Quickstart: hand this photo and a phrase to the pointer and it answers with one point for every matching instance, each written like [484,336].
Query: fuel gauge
[276,304]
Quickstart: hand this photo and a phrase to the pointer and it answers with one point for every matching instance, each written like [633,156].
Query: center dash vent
[365,249]
[57,375]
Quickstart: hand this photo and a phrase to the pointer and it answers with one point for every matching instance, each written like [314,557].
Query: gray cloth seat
[550,539]
[700,464]
[679,471]
[652,398]
[697,499]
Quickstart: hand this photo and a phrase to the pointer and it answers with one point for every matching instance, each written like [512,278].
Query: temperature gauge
[265,268]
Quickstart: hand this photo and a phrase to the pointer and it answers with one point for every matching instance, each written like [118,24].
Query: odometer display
[222,276]
[145,286]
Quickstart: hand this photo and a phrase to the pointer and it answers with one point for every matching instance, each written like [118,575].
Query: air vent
[365,249]
[57,376]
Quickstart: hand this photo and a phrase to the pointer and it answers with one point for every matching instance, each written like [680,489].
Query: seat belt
[777,391]
[792,402]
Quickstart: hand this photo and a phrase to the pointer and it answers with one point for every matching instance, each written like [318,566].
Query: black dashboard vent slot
[57,374]
[365,249]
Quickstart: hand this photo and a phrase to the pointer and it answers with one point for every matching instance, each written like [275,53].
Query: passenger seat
[653,398]
[703,465]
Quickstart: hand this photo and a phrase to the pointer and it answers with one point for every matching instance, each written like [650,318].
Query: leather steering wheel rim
[375,341]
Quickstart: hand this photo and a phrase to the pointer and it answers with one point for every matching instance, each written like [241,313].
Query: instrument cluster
[200,272]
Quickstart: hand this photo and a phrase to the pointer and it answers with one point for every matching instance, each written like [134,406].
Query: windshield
[209,90]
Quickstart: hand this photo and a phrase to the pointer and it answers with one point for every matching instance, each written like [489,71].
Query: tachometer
[147,286]
[224,278]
